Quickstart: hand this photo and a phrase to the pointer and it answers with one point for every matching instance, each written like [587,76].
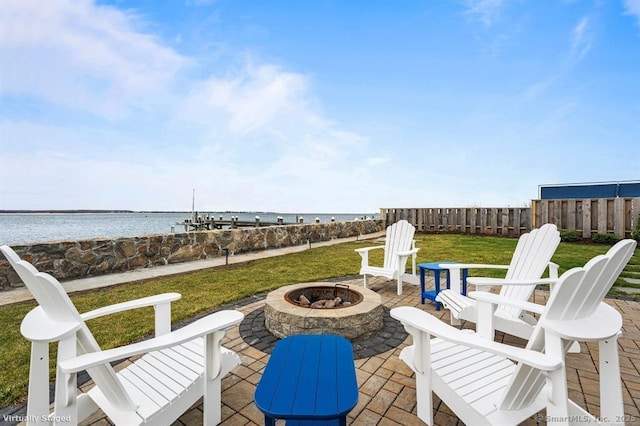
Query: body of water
[28,228]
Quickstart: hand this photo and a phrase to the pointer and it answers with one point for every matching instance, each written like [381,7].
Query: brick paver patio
[387,388]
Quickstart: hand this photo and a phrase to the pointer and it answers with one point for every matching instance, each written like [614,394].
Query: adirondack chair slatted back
[398,238]
[530,258]
[57,305]
[576,296]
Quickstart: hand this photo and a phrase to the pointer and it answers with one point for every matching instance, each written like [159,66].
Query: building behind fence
[585,216]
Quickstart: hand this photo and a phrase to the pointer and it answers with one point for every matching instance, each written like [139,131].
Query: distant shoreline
[89,211]
[84,211]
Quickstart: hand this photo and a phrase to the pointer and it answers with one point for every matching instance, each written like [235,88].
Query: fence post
[602,216]
[494,221]
[544,212]
[586,218]
[618,217]
[505,221]
[571,214]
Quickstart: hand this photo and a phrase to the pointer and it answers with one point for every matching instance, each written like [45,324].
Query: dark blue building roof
[591,190]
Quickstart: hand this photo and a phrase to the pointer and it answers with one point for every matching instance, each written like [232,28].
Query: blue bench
[309,380]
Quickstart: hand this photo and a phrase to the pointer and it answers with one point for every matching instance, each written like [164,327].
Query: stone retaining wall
[68,260]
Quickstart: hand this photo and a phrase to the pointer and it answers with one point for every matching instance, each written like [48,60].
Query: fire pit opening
[338,296]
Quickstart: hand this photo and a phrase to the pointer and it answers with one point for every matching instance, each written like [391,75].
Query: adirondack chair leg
[402,265]
[558,401]
[413,262]
[212,401]
[38,404]
[421,361]
[611,403]
[454,321]
[454,284]
[366,281]
[66,386]
[484,326]
[558,397]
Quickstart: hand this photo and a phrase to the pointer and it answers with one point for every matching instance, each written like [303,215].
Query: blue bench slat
[287,386]
[346,376]
[328,402]
[305,400]
[264,395]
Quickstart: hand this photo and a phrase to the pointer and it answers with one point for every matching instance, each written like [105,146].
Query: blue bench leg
[436,284]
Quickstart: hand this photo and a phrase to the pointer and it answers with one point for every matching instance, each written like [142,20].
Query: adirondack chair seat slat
[182,375]
[147,381]
[149,377]
[455,302]
[488,368]
[466,356]
[183,357]
[465,380]
[154,370]
[468,365]
[142,383]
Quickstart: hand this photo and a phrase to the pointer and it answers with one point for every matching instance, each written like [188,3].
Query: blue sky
[315,105]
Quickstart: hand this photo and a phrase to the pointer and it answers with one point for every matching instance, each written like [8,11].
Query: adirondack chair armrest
[161,304]
[496,299]
[38,327]
[488,282]
[604,323]
[553,270]
[364,254]
[408,252]
[471,266]
[416,319]
[365,250]
[218,321]
[132,304]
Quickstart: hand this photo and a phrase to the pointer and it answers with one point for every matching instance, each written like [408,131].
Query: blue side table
[435,268]
[309,379]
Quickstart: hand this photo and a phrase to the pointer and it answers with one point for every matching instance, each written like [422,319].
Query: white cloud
[250,100]
[540,87]
[581,39]
[486,11]
[632,7]
[82,56]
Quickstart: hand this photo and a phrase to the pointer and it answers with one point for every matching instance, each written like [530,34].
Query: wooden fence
[507,221]
[616,216]
[589,216]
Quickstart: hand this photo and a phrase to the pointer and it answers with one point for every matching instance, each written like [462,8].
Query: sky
[315,105]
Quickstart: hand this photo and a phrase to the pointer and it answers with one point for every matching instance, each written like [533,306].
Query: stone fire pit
[362,316]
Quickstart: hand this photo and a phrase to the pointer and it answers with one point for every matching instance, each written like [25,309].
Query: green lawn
[204,290]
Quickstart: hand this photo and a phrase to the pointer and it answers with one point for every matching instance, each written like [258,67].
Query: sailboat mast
[193,205]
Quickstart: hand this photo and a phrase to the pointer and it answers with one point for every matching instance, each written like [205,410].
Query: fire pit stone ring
[286,318]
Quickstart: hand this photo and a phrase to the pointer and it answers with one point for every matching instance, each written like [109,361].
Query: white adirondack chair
[176,369]
[398,246]
[490,383]
[530,259]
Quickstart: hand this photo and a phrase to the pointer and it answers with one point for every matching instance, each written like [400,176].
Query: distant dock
[208,223]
